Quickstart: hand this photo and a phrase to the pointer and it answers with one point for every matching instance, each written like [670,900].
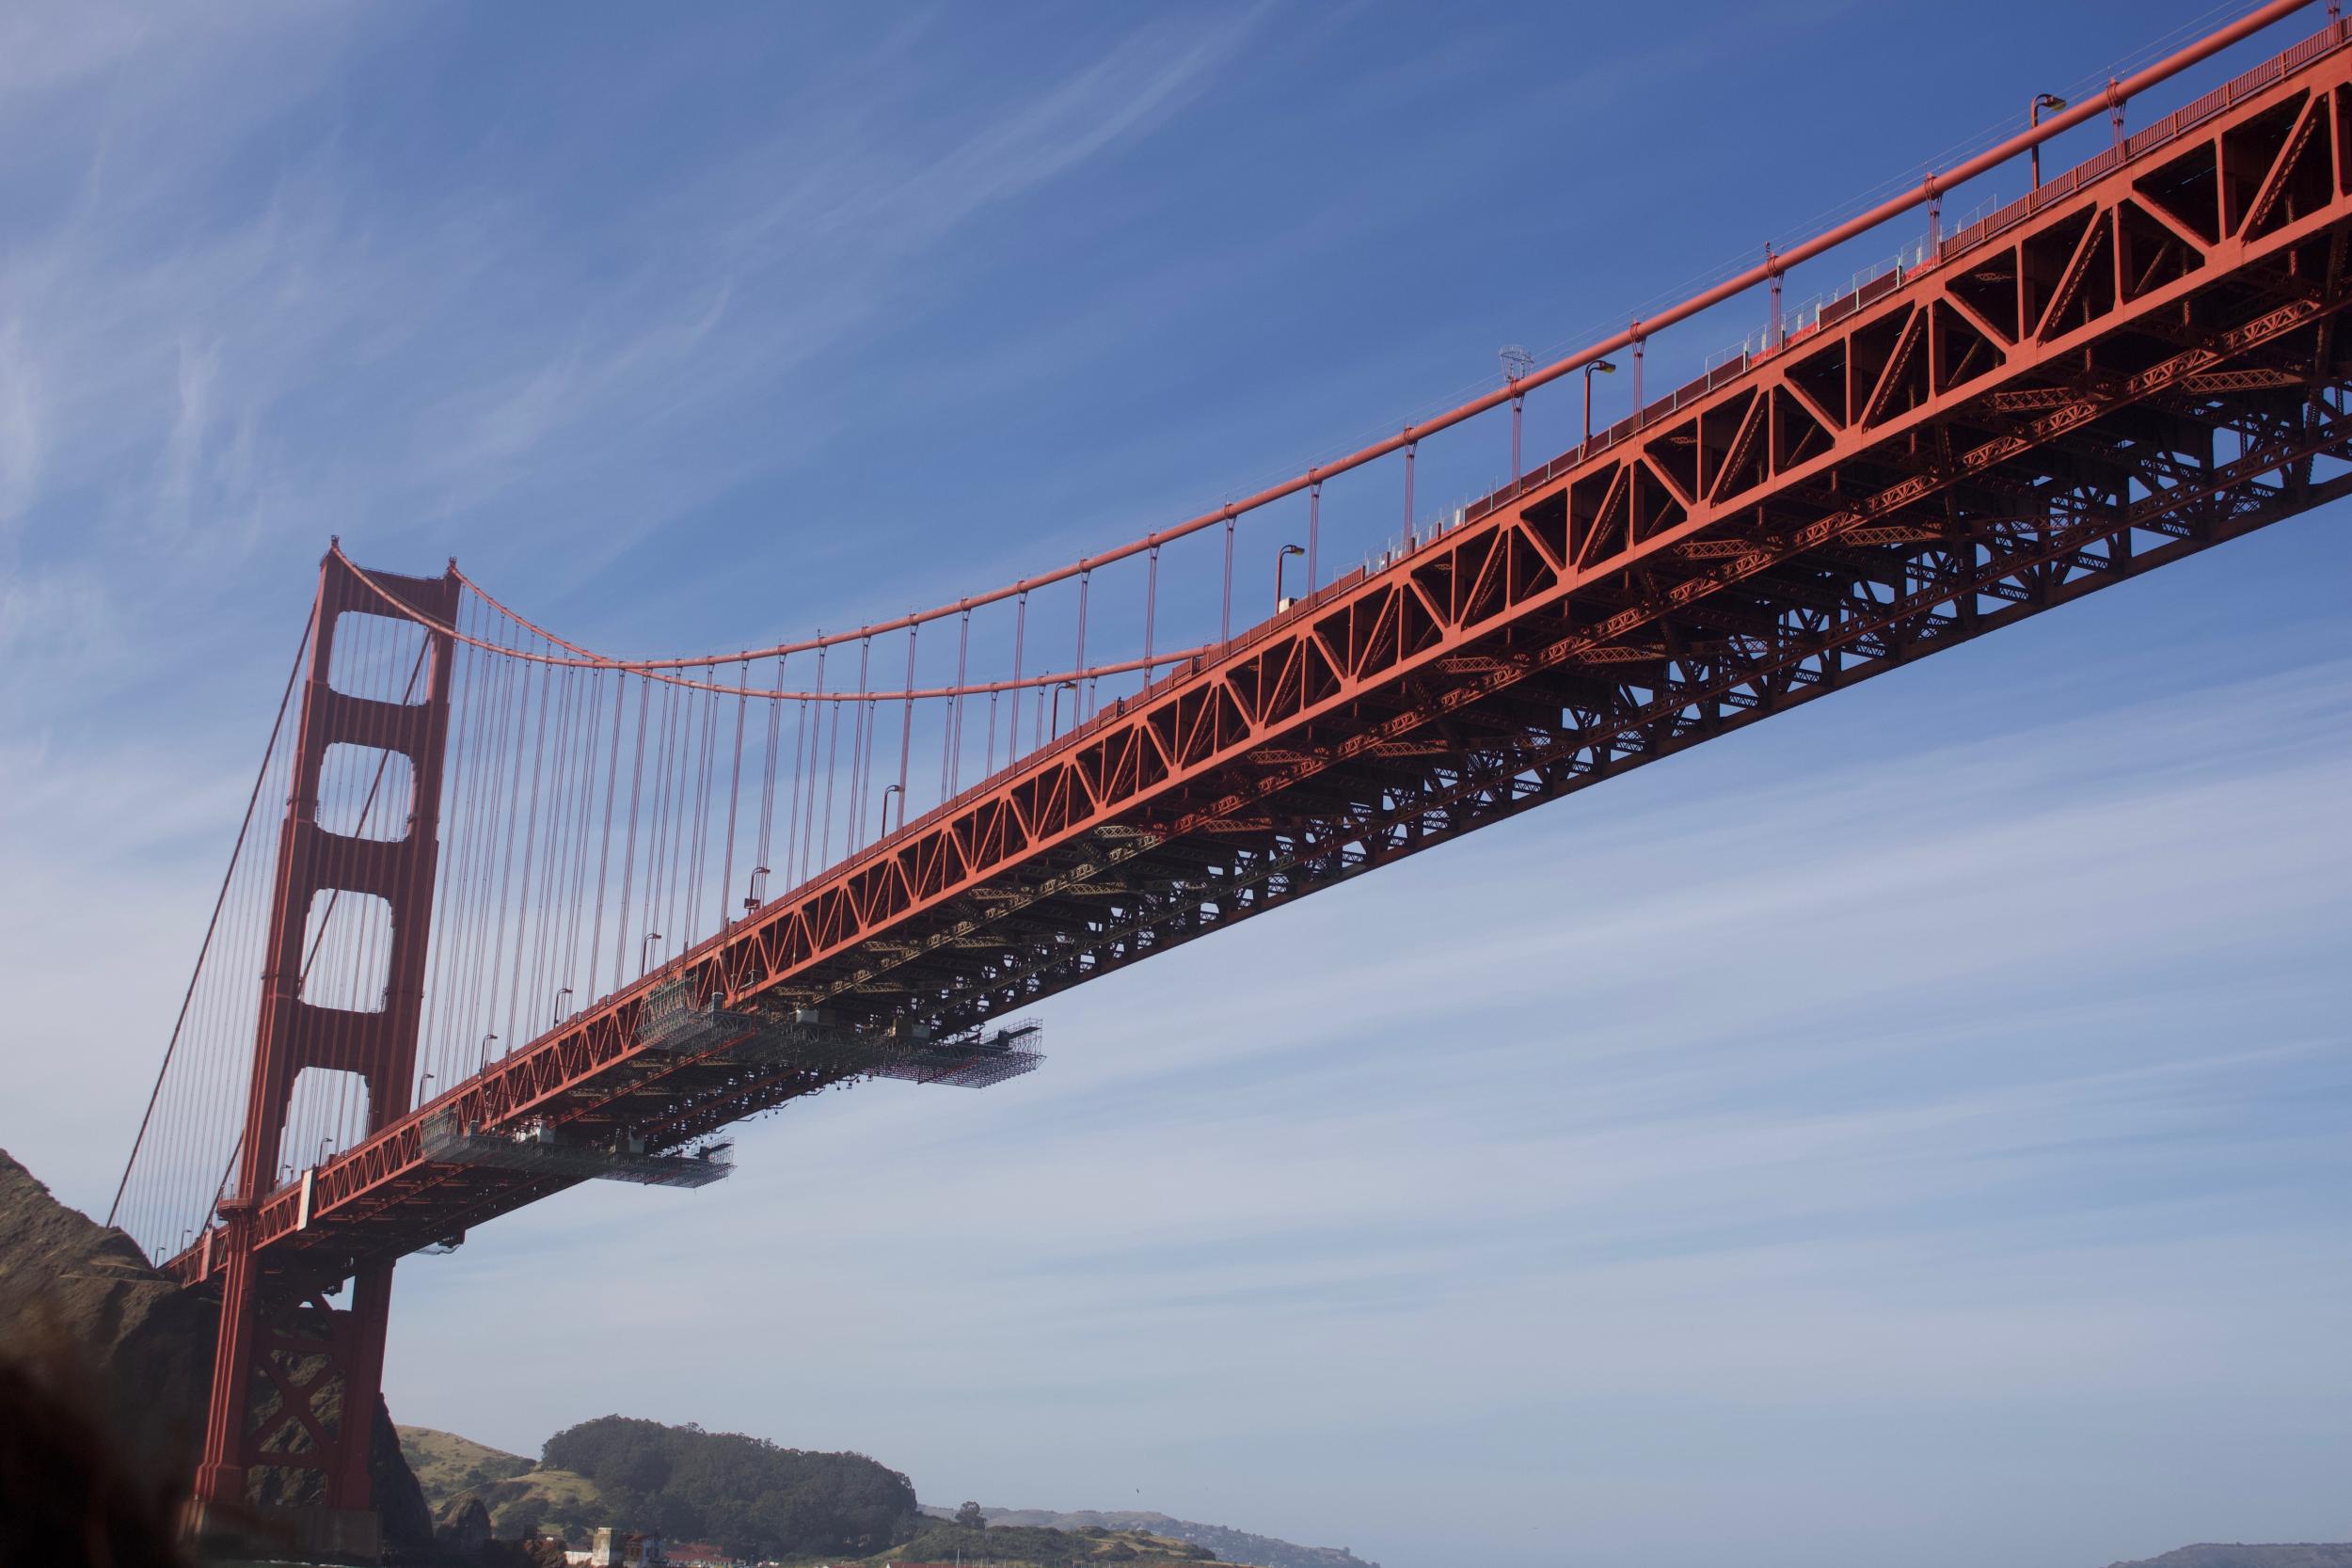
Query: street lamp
[900,791]
[556,1014]
[1053,722]
[2053,102]
[423,1089]
[1516,362]
[1281,558]
[488,1041]
[1606,369]
[644,956]
[752,896]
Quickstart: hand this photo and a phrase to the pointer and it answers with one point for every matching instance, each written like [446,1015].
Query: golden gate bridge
[506,914]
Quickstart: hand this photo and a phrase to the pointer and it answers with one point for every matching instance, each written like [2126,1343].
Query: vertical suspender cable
[906,727]
[735,795]
[1020,630]
[1085,581]
[628,854]
[955,704]
[808,807]
[793,807]
[1225,618]
[1314,530]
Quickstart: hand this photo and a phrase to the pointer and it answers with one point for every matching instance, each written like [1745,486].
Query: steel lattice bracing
[2139,363]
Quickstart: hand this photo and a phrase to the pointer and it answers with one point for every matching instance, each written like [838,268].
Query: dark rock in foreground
[73,1290]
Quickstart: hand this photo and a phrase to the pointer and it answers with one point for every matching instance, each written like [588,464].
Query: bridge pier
[295,1379]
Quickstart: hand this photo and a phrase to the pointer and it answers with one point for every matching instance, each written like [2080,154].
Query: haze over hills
[2213,1555]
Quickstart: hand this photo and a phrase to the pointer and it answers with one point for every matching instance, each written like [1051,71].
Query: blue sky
[1910,1131]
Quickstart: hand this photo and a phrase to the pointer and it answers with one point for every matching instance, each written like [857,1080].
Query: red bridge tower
[296,1381]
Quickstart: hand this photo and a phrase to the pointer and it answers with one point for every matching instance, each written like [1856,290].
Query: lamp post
[644,957]
[1281,558]
[2053,102]
[1052,722]
[1606,369]
[1516,362]
[900,791]
[423,1089]
[758,890]
[488,1041]
[556,1016]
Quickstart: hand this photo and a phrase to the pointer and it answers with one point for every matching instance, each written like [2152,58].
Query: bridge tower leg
[296,1381]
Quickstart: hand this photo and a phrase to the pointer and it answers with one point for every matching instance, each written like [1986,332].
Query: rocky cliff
[73,1288]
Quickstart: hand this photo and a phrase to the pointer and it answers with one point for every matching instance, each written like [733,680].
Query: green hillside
[447,1463]
[520,1495]
[753,1498]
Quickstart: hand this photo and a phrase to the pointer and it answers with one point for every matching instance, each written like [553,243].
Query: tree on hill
[970,1516]
[750,1497]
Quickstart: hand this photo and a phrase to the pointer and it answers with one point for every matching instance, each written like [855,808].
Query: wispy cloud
[206,354]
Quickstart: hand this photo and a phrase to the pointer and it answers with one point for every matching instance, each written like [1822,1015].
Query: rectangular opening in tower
[380,658]
[346,951]
[366,792]
[328,1110]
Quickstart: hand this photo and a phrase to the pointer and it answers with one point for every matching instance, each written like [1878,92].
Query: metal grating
[812,1038]
[541,1150]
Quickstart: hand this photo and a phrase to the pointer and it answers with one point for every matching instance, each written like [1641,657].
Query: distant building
[698,1554]
[613,1548]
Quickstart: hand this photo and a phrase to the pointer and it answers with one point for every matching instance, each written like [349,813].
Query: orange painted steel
[2137,364]
[295,1379]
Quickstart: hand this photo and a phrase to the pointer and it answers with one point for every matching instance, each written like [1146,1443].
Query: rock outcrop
[70,1285]
[463,1529]
[73,1288]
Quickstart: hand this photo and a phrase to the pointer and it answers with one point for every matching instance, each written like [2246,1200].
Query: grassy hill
[446,1464]
[520,1494]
